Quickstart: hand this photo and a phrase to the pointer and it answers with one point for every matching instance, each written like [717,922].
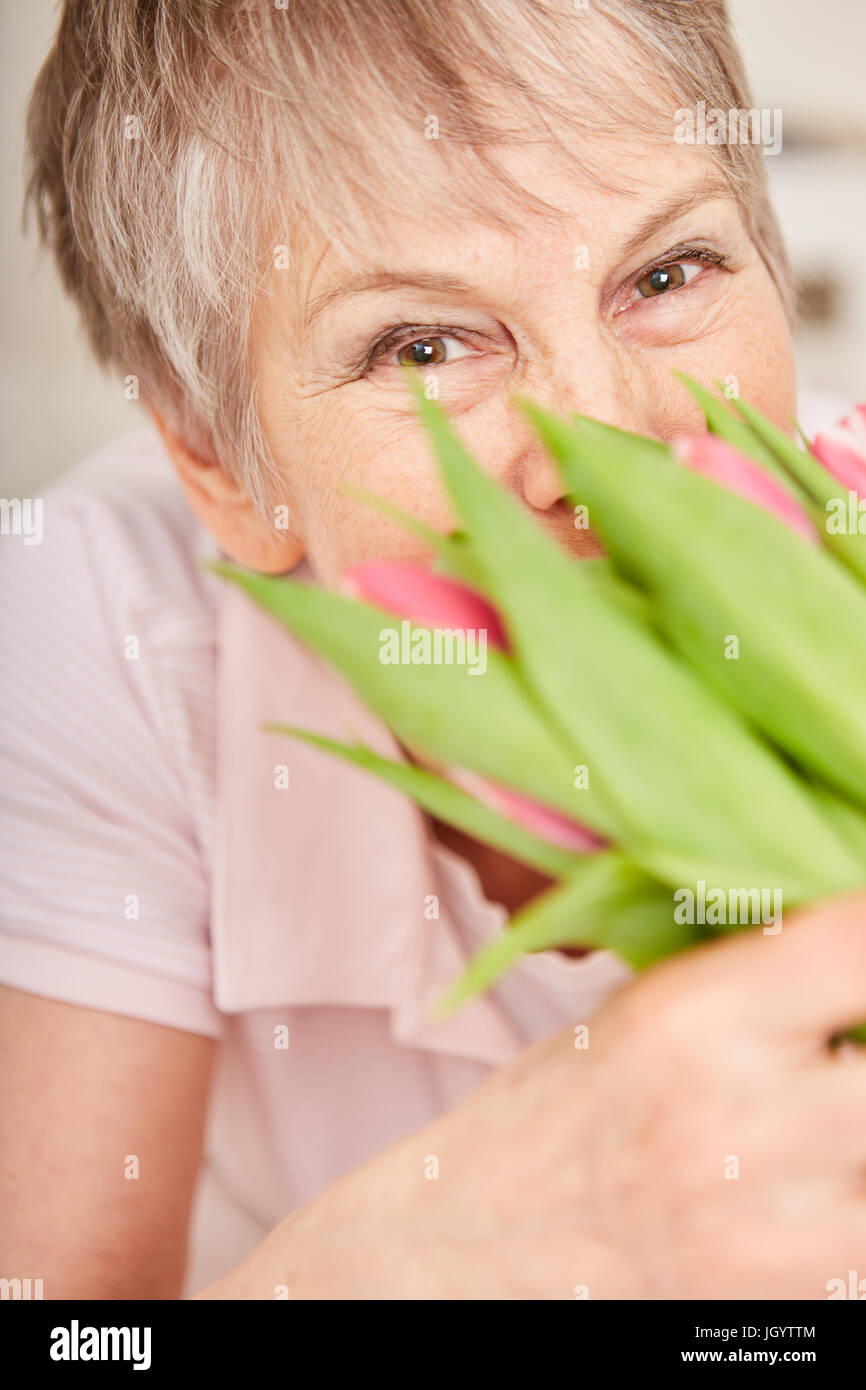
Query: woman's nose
[613,392]
[540,480]
[539,486]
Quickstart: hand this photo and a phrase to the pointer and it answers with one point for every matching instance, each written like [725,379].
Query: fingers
[798,987]
[816,983]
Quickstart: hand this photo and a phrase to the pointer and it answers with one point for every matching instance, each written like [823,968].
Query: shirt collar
[319,886]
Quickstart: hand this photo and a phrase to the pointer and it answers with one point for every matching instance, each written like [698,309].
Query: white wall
[55,403]
[808,58]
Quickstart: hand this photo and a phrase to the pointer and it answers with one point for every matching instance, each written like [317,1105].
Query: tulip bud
[539,819]
[718,460]
[724,568]
[842,450]
[435,601]
[431,600]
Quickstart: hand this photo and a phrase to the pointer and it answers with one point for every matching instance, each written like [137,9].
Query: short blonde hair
[168,138]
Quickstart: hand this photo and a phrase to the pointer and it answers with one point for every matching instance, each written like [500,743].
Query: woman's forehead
[442,236]
[542,175]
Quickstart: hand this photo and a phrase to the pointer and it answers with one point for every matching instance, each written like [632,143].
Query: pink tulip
[429,599]
[842,450]
[433,600]
[715,458]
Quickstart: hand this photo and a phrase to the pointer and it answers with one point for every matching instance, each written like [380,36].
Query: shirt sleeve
[104,738]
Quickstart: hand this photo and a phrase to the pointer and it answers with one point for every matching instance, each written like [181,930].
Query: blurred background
[807,59]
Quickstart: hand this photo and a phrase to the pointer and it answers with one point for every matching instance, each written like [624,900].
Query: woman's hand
[707,1143]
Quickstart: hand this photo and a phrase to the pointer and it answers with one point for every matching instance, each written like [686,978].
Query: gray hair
[169,141]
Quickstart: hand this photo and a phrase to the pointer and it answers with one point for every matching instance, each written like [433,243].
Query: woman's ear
[224,508]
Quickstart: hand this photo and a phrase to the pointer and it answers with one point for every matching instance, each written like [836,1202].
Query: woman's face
[586,312]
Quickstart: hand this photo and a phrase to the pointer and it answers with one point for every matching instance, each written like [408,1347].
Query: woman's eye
[665,278]
[430,352]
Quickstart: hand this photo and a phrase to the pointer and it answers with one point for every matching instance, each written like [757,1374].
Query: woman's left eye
[665,278]
[429,352]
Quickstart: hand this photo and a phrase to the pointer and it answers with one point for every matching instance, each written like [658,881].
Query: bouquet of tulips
[674,733]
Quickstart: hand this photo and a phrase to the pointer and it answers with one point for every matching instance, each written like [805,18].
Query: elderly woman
[219,949]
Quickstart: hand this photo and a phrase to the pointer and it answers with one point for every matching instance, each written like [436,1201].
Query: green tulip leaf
[800,666]
[606,904]
[484,722]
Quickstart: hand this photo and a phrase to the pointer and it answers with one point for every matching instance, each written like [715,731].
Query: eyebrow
[677,206]
[384,280]
[709,190]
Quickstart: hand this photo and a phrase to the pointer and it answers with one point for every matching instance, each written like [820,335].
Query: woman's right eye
[665,278]
[429,352]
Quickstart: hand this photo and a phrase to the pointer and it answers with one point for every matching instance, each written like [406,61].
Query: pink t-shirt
[153,862]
